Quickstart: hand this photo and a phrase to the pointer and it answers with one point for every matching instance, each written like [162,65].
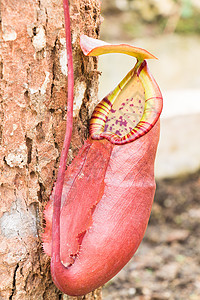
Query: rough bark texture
[32,125]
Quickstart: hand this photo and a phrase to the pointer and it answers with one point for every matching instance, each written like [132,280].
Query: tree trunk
[33,77]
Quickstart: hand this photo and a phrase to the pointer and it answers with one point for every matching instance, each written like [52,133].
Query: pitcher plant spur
[109,188]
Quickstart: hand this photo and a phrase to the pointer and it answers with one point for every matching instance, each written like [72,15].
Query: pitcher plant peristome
[151,95]
[109,187]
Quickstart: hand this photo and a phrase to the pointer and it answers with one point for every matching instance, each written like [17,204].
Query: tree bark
[33,73]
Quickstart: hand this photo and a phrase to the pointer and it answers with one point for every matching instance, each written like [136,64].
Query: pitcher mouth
[130,110]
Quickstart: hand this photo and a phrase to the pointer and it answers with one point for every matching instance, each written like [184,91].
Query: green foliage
[150,17]
[186,9]
[189,25]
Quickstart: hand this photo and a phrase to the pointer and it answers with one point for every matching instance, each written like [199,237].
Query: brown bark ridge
[33,74]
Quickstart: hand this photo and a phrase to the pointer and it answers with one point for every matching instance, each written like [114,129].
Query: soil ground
[167,263]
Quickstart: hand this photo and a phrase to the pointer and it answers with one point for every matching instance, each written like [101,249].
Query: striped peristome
[138,82]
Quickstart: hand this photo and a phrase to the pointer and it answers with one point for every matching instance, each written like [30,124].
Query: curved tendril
[55,260]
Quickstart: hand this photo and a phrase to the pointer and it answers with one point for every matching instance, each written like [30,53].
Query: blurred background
[167,264]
